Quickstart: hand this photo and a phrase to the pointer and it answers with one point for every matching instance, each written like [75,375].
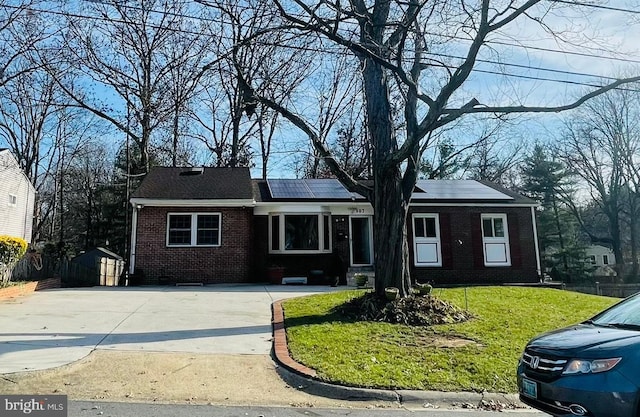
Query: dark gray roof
[196,184]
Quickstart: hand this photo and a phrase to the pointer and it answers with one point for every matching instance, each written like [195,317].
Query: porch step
[294,280]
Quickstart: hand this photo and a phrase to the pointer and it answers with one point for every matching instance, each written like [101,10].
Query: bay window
[300,233]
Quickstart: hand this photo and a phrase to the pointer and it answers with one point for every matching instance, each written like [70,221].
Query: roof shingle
[190,184]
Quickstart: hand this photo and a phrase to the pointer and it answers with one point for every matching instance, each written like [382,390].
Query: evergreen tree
[547,181]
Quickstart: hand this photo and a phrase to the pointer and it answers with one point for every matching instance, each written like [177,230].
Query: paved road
[103,409]
[55,327]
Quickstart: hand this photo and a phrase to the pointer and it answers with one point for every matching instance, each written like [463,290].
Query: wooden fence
[606,289]
[106,272]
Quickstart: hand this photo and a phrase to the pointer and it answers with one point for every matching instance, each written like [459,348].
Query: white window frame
[427,240]
[194,229]
[323,247]
[13,200]
[605,259]
[503,240]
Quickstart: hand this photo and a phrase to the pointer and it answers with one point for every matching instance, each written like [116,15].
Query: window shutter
[476,241]
[445,240]
[514,240]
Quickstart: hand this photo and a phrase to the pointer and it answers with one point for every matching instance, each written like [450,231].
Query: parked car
[589,369]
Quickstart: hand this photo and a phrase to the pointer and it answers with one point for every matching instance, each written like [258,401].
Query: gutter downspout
[134,234]
[535,241]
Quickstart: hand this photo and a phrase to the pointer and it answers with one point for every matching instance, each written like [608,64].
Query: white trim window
[426,240]
[299,233]
[194,229]
[13,200]
[495,240]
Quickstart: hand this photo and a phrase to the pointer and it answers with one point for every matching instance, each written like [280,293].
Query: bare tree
[494,158]
[223,129]
[602,146]
[389,41]
[130,50]
[336,94]
[27,107]
[22,30]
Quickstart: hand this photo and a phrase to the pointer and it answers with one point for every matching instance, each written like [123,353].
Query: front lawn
[480,354]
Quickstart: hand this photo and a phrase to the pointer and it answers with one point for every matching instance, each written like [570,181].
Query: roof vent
[192,171]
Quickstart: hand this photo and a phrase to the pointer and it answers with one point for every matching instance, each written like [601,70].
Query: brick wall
[462,254]
[230,262]
[243,255]
[29,287]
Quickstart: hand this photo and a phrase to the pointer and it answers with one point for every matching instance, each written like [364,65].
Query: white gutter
[134,234]
[157,202]
[505,205]
[535,241]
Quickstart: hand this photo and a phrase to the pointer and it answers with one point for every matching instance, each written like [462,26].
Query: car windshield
[624,314]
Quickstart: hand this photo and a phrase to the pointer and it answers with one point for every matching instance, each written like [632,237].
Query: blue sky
[603,34]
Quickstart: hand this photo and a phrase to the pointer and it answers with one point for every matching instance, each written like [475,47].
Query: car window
[626,312]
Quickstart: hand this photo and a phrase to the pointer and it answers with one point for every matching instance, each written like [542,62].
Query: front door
[361,240]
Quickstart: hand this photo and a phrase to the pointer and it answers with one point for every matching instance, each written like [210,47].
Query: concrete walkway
[56,327]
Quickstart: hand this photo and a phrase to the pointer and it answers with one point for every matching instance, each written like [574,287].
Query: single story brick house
[215,225]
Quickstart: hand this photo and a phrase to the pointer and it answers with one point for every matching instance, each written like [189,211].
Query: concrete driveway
[55,327]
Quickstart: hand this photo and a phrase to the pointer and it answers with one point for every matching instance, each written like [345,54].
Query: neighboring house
[218,225]
[599,256]
[17,198]
[602,260]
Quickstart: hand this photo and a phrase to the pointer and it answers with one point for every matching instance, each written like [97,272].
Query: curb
[305,379]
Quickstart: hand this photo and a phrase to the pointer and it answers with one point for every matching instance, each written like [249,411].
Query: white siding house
[17,197]
[600,256]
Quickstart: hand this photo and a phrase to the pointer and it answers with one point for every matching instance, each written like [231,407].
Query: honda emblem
[535,362]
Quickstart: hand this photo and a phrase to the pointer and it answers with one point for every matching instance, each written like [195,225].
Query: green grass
[386,355]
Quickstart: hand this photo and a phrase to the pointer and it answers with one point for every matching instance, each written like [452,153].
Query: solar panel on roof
[288,188]
[458,190]
[327,188]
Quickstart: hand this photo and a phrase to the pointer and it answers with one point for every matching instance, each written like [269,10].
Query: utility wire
[596,6]
[556,71]
[490,42]
[572,73]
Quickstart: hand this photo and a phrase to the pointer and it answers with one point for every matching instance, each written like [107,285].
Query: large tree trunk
[390,239]
[389,203]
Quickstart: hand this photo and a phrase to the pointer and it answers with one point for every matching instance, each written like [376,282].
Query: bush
[12,249]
